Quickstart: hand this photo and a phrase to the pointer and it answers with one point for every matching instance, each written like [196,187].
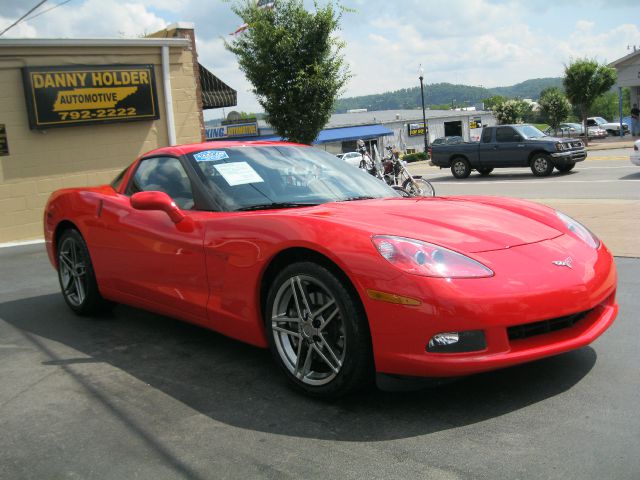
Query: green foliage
[606,105]
[511,111]
[294,62]
[492,102]
[414,157]
[585,80]
[439,94]
[554,106]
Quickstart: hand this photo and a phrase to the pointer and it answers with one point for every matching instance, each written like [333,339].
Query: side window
[115,184]
[486,135]
[505,134]
[163,174]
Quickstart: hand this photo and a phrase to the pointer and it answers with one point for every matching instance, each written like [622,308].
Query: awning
[346,134]
[215,93]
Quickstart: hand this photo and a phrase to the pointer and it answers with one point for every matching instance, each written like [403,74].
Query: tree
[294,63]
[492,102]
[511,111]
[554,106]
[607,105]
[584,81]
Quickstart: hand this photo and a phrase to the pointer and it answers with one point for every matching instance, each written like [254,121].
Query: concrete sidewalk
[616,222]
[612,142]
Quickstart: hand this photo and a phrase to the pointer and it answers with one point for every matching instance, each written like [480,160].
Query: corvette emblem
[564,263]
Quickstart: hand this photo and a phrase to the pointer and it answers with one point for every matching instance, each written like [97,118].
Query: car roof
[176,150]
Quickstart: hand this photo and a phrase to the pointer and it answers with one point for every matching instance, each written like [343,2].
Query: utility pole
[424,115]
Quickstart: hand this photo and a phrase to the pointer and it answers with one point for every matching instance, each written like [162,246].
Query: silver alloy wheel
[541,164]
[73,271]
[460,168]
[308,329]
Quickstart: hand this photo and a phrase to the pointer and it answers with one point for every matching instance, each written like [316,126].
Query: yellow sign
[60,96]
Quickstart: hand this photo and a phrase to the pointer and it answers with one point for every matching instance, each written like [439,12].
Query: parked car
[352,158]
[285,247]
[340,155]
[575,130]
[510,146]
[635,155]
[452,140]
[610,127]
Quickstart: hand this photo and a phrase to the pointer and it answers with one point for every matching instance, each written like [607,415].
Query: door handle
[521,145]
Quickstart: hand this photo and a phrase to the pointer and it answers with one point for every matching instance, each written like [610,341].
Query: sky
[485,43]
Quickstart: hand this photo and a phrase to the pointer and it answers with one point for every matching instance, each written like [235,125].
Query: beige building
[74,112]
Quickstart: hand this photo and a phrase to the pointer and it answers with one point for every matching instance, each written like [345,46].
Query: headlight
[579,230]
[426,259]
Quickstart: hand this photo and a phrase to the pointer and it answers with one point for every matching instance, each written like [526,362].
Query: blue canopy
[346,134]
[343,134]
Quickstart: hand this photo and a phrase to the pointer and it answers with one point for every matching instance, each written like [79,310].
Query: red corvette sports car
[285,246]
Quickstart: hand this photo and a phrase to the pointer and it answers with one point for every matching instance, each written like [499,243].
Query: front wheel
[460,168]
[76,276]
[317,331]
[541,165]
[419,187]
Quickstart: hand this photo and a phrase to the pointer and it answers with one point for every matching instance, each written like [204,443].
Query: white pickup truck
[610,127]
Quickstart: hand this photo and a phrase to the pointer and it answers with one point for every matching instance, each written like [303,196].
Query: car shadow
[631,176]
[240,385]
[496,175]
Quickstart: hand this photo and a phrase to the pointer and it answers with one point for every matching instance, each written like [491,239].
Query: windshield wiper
[362,197]
[274,205]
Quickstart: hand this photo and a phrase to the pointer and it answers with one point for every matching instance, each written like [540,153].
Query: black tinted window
[118,180]
[163,174]
[505,134]
[486,135]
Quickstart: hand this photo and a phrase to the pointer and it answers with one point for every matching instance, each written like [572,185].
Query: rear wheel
[484,171]
[541,165]
[317,331]
[76,276]
[566,167]
[460,167]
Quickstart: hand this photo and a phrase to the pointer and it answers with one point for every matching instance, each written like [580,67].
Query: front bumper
[571,155]
[526,289]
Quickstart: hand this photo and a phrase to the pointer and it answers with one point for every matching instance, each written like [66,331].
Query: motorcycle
[395,173]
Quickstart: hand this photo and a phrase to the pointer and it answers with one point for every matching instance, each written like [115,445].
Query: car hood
[459,224]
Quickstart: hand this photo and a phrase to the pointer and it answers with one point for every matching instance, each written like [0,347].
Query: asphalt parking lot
[136,395]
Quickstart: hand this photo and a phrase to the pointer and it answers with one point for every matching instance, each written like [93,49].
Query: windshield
[529,131]
[253,178]
[600,120]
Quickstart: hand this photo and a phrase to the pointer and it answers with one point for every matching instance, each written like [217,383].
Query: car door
[510,149]
[145,257]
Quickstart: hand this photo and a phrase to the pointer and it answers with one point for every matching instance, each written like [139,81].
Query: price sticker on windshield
[238,173]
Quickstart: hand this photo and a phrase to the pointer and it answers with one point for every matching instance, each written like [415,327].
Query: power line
[49,9]
[22,18]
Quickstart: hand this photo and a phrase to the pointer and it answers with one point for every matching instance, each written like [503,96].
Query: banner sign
[79,95]
[475,122]
[4,144]
[416,129]
[234,130]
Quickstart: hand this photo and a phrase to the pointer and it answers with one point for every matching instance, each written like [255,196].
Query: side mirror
[157,201]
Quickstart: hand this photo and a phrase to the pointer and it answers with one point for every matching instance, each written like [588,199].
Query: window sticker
[210,155]
[238,173]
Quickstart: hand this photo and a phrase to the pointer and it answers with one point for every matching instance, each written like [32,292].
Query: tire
[566,167]
[541,165]
[401,190]
[484,171]
[460,168]
[419,187]
[317,332]
[76,276]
